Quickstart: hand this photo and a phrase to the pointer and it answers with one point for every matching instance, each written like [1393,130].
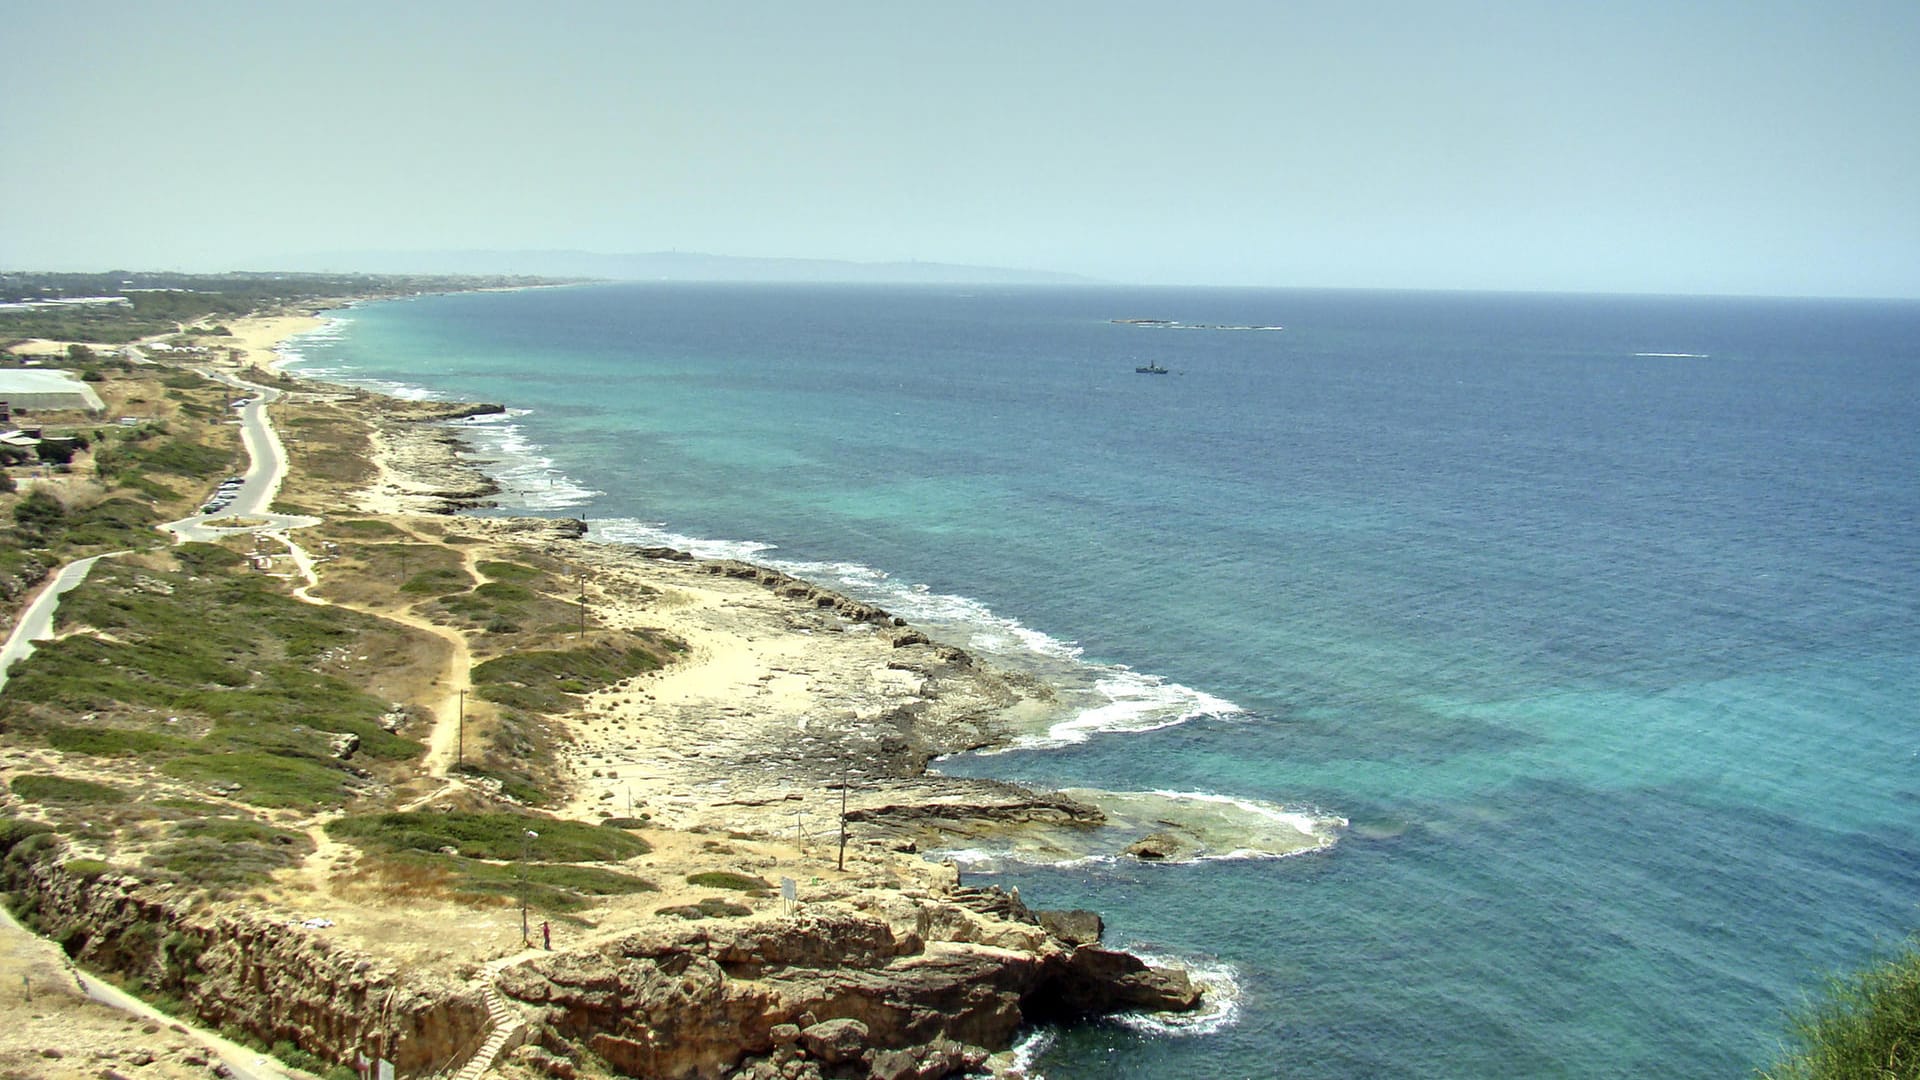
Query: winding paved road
[259,484]
[36,622]
[267,468]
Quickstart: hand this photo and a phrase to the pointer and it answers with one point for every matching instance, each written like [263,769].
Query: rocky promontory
[887,986]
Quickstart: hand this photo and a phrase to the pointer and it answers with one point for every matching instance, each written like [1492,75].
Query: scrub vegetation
[1864,1027]
[477,855]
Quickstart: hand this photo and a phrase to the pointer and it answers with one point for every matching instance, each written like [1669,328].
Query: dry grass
[372,575]
[329,454]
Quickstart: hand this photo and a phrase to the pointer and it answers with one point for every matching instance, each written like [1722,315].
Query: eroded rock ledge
[252,970]
[908,986]
[884,983]
[420,460]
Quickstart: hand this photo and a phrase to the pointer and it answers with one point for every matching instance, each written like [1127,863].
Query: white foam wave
[527,477]
[1134,703]
[986,861]
[349,375]
[1116,699]
[1303,820]
[981,629]
[1100,697]
[645,534]
[1676,355]
[293,349]
[1219,1002]
[1028,1050]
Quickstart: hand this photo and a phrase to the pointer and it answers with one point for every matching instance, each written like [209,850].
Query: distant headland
[686,266]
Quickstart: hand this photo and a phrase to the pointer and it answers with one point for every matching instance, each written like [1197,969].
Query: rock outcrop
[890,985]
[872,981]
[793,588]
[266,976]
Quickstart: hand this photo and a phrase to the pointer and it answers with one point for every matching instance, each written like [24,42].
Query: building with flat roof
[47,391]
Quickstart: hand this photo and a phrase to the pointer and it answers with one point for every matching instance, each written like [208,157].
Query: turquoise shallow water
[1609,658]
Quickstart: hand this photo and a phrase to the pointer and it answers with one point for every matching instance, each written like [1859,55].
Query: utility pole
[845,769]
[526,852]
[580,577]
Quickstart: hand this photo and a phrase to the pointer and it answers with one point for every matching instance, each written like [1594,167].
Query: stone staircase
[506,1030]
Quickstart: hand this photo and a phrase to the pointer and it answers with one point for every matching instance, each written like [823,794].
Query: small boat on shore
[1149,369]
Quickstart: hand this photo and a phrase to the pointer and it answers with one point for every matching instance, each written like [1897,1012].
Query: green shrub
[489,836]
[711,908]
[544,680]
[437,582]
[520,785]
[298,1058]
[259,713]
[1865,1025]
[721,879]
[265,779]
[64,791]
[38,515]
[210,862]
[510,572]
[34,846]
[13,830]
[199,558]
[108,742]
[361,528]
[88,870]
[544,885]
[113,523]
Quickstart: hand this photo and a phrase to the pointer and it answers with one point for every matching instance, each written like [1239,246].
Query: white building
[47,391]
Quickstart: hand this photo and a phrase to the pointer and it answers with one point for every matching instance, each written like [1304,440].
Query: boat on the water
[1149,369]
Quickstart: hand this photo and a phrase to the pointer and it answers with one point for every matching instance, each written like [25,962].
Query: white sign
[386,1069]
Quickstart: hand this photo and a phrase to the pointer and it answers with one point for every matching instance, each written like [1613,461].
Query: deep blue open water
[1611,660]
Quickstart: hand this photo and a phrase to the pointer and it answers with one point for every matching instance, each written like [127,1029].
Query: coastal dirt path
[249,513]
[53,1009]
[443,743]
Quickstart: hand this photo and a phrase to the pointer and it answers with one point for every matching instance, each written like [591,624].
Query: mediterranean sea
[1597,618]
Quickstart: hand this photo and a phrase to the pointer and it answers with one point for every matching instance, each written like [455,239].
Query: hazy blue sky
[1680,146]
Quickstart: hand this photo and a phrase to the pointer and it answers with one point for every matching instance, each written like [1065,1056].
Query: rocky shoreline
[794,702]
